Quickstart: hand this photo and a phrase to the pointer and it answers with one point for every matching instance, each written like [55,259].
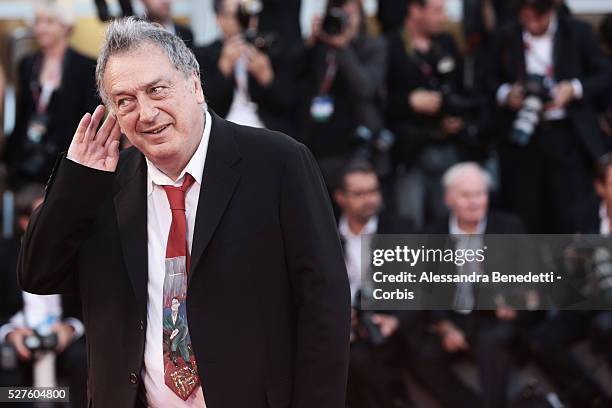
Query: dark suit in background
[184,33]
[490,341]
[71,363]
[276,103]
[28,161]
[375,376]
[548,181]
[267,300]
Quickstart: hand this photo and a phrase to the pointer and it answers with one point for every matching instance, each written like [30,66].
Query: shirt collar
[453,226]
[370,228]
[195,166]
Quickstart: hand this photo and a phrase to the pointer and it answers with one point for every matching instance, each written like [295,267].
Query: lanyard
[330,72]
[40,94]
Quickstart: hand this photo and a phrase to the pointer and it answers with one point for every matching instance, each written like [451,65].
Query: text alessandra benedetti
[493,277]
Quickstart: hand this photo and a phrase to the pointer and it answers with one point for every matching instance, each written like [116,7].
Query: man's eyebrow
[144,86]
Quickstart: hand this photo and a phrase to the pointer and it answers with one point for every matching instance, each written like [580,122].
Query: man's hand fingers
[115,134]
[95,121]
[79,135]
[106,129]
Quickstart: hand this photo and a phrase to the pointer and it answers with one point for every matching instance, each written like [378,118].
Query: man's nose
[148,111]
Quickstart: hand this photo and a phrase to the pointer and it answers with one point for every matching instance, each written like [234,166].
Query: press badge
[37,128]
[322,108]
[446,65]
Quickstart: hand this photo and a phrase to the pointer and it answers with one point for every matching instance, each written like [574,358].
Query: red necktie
[180,370]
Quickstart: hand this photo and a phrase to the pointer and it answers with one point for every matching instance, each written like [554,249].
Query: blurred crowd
[501,126]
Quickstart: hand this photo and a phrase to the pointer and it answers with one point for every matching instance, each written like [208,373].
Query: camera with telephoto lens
[335,22]
[246,12]
[537,93]
[38,342]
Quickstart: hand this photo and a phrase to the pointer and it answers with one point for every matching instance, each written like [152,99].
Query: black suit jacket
[576,54]
[185,34]
[276,103]
[268,301]
[75,96]
[497,223]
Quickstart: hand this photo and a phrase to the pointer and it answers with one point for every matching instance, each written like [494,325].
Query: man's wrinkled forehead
[137,69]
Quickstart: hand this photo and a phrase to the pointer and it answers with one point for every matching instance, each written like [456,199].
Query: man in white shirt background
[53,318]
[546,72]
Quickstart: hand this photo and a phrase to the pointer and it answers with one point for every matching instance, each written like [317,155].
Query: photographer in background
[38,323]
[373,380]
[427,109]
[55,88]
[343,74]
[547,71]
[470,328]
[249,80]
[605,121]
[160,12]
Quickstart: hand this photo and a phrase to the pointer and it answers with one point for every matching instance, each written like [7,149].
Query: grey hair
[130,33]
[454,172]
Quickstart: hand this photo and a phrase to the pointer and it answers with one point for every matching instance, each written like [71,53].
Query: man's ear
[197,88]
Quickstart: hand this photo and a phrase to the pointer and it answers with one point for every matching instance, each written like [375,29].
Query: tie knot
[176,195]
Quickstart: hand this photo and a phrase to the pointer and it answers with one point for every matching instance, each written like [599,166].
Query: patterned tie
[180,370]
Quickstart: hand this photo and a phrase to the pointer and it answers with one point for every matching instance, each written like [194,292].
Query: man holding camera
[375,336]
[343,74]
[249,78]
[426,108]
[547,71]
[31,326]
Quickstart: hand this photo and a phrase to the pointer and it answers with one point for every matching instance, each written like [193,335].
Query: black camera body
[246,12]
[38,342]
[374,335]
[335,22]
[537,93]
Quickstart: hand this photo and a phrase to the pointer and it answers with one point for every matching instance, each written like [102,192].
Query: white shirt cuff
[78,327]
[502,94]
[5,329]
[578,91]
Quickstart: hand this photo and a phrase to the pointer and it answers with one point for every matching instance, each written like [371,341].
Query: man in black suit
[486,335]
[548,143]
[373,380]
[22,314]
[260,267]
[160,11]
[246,83]
[424,74]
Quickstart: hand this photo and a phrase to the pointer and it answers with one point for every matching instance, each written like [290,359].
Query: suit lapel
[131,209]
[219,181]
[559,60]
[519,52]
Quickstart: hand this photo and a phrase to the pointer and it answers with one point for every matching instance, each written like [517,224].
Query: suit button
[133,378]
[141,325]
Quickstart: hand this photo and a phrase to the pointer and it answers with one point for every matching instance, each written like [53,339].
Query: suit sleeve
[320,284]
[47,259]
[597,77]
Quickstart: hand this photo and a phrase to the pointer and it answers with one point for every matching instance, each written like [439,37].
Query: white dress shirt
[539,60]
[352,250]
[464,295]
[39,313]
[604,220]
[243,110]
[159,218]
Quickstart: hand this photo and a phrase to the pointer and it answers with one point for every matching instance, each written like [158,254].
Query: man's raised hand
[96,149]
